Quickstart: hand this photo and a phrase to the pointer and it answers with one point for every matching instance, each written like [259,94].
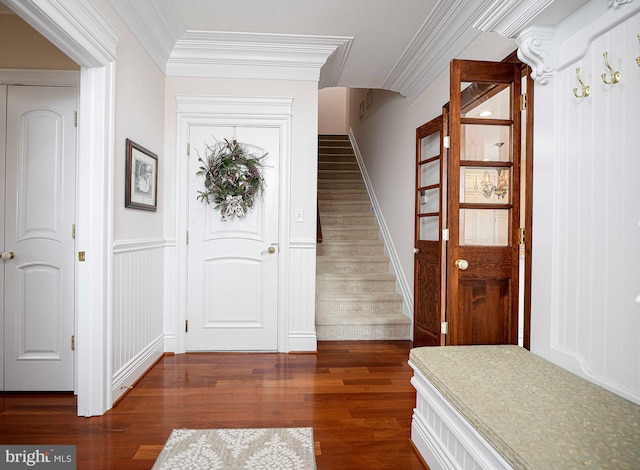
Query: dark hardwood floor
[356,396]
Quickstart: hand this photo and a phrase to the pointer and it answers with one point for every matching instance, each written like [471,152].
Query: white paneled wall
[137,339]
[586,221]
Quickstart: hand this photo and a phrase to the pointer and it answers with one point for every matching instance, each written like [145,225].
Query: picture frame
[141,178]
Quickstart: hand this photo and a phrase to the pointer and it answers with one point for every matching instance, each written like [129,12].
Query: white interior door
[39,215]
[233,264]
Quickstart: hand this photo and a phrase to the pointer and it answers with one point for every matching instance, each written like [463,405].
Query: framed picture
[141,178]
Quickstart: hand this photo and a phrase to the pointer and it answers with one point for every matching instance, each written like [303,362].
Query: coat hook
[615,76]
[586,89]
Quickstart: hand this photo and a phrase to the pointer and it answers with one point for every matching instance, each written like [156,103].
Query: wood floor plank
[357,397]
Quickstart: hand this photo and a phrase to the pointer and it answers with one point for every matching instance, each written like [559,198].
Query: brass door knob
[271,250]
[462,264]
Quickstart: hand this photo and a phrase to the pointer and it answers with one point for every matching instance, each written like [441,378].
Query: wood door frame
[504,259]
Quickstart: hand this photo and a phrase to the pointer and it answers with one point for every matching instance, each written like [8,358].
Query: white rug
[254,449]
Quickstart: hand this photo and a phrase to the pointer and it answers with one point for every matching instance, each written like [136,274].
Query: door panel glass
[430,146]
[487,185]
[430,200]
[430,173]
[486,101]
[485,143]
[430,228]
[484,227]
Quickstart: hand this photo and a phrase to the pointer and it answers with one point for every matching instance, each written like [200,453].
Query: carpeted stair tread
[356,296]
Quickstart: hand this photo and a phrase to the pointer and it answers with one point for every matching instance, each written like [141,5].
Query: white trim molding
[535,48]
[253,55]
[237,111]
[617,3]
[76,27]
[509,17]
[159,30]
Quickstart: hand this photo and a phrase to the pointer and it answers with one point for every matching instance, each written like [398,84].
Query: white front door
[233,264]
[39,216]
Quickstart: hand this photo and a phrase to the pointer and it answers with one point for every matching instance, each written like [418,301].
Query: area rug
[255,449]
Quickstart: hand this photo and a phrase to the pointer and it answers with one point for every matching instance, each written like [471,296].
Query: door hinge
[446,142]
[81,256]
[522,233]
[445,234]
[186,326]
[444,328]
[73,342]
[523,102]
[188,149]
[187,237]
[75,119]
[73,231]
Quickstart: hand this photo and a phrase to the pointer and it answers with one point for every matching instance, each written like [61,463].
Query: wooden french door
[430,248]
[483,203]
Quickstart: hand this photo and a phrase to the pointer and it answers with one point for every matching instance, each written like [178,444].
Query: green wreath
[232,178]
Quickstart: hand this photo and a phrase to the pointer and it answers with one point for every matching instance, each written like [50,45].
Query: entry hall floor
[357,397]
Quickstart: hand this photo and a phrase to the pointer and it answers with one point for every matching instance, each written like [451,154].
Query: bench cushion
[535,414]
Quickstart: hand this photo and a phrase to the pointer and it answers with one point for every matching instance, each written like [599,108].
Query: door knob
[462,264]
[415,250]
[271,250]
[7,255]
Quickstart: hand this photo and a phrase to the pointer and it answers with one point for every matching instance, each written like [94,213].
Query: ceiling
[390,44]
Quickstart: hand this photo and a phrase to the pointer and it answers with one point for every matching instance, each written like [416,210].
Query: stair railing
[318,225]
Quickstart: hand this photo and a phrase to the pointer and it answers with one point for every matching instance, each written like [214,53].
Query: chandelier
[503,181]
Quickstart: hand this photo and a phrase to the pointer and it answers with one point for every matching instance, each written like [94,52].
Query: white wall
[332,111]
[586,229]
[386,137]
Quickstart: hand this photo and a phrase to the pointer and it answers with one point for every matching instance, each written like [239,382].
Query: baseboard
[303,342]
[124,379]
[403,285]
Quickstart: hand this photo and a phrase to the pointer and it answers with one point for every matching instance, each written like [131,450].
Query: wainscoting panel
[137,327]
[586,222]
[302,328]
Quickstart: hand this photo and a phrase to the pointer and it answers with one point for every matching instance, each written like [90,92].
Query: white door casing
[232,264]
[252,113]
[39,287]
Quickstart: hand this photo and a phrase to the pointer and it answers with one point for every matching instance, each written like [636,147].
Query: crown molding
[154,23]
[332,69]
[507,18]
[74,26]
[255,55]
[442,36]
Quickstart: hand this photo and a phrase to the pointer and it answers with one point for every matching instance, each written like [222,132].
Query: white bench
[502,407]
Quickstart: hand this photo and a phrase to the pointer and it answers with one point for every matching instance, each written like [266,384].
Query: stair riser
[347,184]
[334,150]
[339,175]
[343,220]
[340,207]
[355,249]
[329,307]
[336,158]
[337,267]
[349,235]
[332,165]
[363,332]
[356,286]
[344,195]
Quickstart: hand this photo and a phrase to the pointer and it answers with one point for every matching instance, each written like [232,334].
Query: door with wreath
[232,248]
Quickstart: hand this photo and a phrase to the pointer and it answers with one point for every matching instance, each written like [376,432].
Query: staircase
[355,291]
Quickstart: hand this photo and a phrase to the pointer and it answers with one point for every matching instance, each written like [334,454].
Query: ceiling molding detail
[332,69]
[507,18]
[255,55]
[154,23]
[73,26]
[442,36]
[535,48]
